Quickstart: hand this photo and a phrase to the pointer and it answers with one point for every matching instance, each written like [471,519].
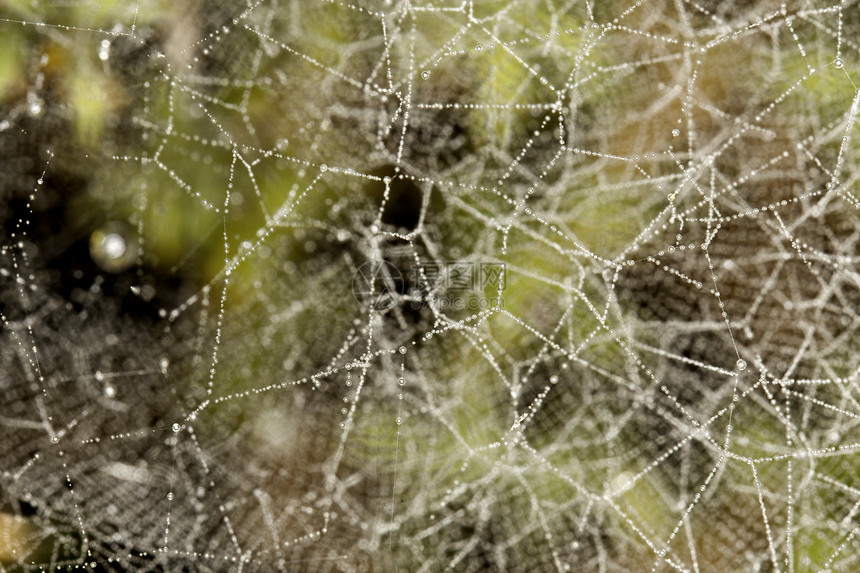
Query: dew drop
[111,248]
[113,245]
[176,427]
[104,51]
[34,108]
[741,364]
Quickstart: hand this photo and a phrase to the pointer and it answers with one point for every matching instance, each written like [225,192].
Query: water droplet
[838,63]
[425,74]
[99,376]
[170,496]
[164,363]
[676,132]
[109,391]
[741,364]
[176,427]
[401,381]
[402,350]
[104,51]
[323,167]
[399,420]
[35,107]
[111,249]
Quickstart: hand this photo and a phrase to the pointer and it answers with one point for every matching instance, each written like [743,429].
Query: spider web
[482,285]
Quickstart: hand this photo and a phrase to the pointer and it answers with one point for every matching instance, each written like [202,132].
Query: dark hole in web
[403,207]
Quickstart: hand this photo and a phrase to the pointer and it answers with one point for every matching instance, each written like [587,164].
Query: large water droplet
[35,107]
[113,247]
